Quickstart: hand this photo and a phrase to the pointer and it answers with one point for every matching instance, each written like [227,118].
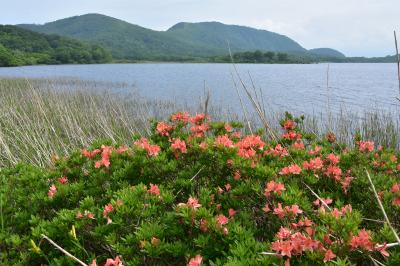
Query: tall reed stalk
[40,119]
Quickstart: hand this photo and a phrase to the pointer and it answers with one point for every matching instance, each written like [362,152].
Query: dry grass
[43,118]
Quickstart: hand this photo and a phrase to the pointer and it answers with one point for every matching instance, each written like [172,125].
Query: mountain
[327,52]
[129,41]
[216,36]
[125,40]
[24,47]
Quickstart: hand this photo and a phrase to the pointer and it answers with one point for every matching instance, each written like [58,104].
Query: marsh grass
[40,119]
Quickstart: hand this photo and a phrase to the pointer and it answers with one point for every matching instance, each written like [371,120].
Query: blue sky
[355,27]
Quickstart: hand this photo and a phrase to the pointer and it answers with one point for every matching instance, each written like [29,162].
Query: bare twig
[398,58]
[238,93]
[269,254]
[382,208]
[198,172]
[64,251]
[318,197]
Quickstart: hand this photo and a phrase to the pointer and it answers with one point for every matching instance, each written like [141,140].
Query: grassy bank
[43,118]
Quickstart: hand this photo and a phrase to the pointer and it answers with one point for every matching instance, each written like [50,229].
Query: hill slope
[128,41]
[216,36]
[328,52]
[125,40]
[24,47]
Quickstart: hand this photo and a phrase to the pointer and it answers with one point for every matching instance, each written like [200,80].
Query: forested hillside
[24,47]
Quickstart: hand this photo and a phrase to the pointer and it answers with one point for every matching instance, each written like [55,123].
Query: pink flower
[289,124]
[251,141]
[333,171]
[52,191]
[283,233]
[154,190]
[366,146]
[63,180]
[284,248]
[248,146]
[111,262]
[193,203]
[237,135]
[196,261]
[197,119]
[228,128]
[298,145]
[291,169]
[199,131]
[89,215]
[224,141]
[105,157]
[273,187]
[79,215]
[179,145]
[231,212]
[180,117]
[122,149]
[395,188]
[90,154]
[382,250]
[163,129]
[108,209]
[266,208]
[327,201]
[203,145]
[396,201]
[362,240]
[291,135]
[152,150]
[294,209]
[315,151]
[222,219]
[329,255]
[203,225]
[313,164]
[246,153]
[333,159]
[278,151]
[279,211]
[237,175]
[93,263]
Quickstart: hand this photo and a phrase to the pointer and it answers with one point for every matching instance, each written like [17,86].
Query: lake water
[296,88]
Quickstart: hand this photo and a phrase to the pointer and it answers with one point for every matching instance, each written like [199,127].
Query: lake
[296,88]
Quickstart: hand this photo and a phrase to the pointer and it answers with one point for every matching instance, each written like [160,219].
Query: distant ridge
[329,52]
[129,41]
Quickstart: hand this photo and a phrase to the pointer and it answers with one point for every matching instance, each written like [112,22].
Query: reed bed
[40,119]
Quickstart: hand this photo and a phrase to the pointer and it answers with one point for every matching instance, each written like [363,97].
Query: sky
[354,27]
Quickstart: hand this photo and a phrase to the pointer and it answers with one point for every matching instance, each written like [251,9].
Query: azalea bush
[198,192]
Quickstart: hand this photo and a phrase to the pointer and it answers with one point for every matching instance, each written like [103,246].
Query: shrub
[198,192]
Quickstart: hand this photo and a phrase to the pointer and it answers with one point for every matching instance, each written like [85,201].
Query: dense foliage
[23,47]
[198,192]
[327,52]
[264,58]
[128,41]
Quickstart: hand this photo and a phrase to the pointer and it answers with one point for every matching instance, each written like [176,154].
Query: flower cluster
[152,150]
[201,192]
